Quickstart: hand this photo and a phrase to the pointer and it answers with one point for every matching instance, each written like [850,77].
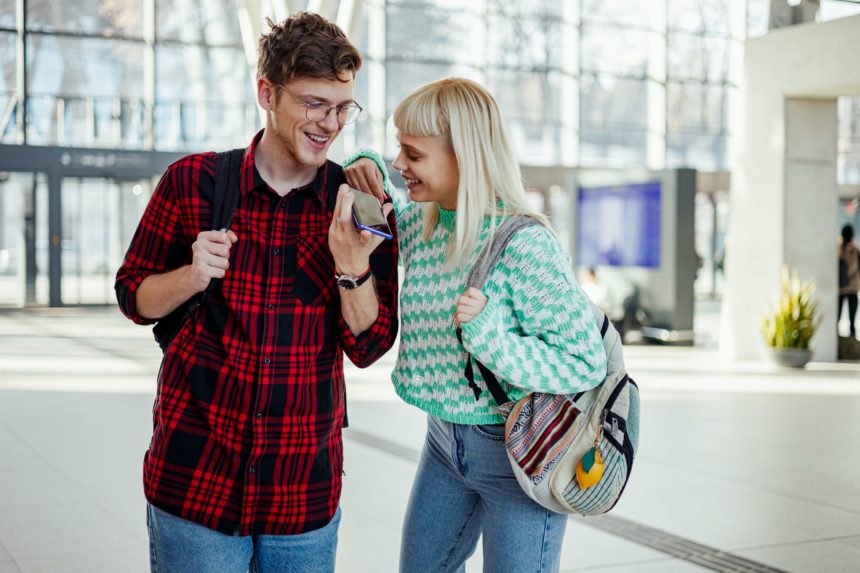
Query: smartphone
[367,214]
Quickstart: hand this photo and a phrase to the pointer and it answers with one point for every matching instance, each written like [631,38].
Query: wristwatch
[350,282]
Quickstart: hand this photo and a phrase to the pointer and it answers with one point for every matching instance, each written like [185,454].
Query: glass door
[23,239]
[99,217]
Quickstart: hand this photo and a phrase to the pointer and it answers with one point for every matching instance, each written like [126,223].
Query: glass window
[199,73]
[85,67]
[530,8]
[441,36]
[530,107]
[526,96]
[848,166]
[758,13]
[696,149]
[606,99]
[616,12]
[77,86]
[7,13]
[613,120]
[697,57]
[8,57]
[695,106]
[402,77]
[212,22]
[708,16]
[614,50]
[848,147]
[22,207]
[203,96]
[368,130]
[612,146]
[102,17]
[524,43]
[458,5]
[9,107]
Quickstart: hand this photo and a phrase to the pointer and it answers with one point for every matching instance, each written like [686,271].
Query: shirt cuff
[375,157]
[126,294]
[367,347]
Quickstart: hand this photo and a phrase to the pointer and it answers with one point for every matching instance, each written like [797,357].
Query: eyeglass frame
[353,104]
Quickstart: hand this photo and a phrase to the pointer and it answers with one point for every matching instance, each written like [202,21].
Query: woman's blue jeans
[464,488]
[180,546]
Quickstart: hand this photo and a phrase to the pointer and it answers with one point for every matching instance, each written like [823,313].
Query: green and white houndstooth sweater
[536,333]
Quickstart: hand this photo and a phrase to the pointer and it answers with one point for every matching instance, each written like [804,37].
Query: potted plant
[792,323]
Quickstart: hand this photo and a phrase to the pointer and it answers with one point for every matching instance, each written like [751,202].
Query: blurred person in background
[598,292]
[849,276]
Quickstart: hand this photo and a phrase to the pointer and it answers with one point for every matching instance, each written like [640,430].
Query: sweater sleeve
[398,196]
[557,347]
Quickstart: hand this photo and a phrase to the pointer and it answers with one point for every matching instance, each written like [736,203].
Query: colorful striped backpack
[570,453]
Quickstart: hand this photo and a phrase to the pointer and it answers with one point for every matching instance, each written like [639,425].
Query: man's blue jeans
[179,546]
[465,488]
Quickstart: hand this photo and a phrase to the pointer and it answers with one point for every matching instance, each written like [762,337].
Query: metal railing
[125,123]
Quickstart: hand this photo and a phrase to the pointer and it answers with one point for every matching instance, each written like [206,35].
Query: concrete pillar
[784,195]
[810,205]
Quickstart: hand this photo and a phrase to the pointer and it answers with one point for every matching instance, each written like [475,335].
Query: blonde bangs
[421,115]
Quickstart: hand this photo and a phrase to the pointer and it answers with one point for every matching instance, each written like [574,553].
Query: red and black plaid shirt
[251,399]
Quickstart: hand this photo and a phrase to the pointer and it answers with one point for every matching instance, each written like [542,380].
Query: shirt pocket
[315,282]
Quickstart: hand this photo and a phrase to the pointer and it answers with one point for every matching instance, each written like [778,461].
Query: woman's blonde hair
[490,179]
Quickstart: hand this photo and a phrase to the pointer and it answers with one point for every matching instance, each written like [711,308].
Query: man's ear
[266,94]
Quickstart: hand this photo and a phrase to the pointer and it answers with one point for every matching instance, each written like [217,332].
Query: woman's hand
[469,305]
[365,176]
[350,247]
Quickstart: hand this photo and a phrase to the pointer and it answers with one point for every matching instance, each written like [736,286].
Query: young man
[245,464]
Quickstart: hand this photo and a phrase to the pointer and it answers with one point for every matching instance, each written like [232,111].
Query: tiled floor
[740,458]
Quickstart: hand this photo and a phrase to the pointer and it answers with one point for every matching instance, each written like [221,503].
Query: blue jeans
[178,546]
[465,487]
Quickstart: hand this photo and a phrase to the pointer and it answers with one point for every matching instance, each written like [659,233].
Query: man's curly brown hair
[305,45]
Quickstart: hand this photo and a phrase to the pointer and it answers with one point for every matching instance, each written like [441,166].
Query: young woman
[849,276]
[532,326]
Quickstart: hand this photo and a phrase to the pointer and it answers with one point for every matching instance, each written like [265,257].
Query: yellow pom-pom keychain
[589,470]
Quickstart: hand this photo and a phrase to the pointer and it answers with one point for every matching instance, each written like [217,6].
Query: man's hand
[365,176]
[469,305]
[211,258]
[351,250]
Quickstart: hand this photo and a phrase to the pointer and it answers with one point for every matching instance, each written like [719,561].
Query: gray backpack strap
[477,278]
[491,254]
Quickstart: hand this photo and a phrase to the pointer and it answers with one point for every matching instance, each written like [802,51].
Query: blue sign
[619,226]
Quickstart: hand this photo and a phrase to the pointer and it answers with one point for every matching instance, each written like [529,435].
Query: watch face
[346,282]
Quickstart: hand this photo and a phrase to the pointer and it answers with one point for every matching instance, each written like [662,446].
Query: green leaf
[588,460]
[795,317]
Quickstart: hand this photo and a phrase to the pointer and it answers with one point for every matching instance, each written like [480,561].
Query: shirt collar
[251,178]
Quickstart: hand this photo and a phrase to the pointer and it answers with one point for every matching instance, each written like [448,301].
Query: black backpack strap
[477,278]
[228,167]
[334,179]
[225,199]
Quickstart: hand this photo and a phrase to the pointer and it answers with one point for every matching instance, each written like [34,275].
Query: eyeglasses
[318,111]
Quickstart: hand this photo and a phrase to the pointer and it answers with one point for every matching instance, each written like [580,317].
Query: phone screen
[367,213]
